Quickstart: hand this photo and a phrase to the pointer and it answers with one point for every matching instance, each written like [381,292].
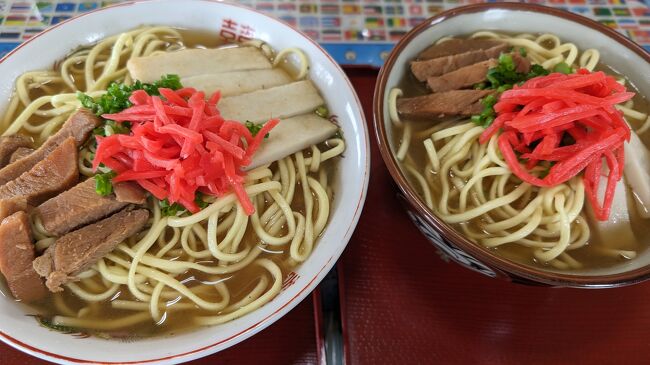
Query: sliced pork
[422,70]
[76,207]
[456,46]
[462,78]
[129,192]
[78,250]
[19,153]
[55,173]
[442,105]
[9,145]
[79,126]
[468,76]
[522,64]
[16,256]
[12,205]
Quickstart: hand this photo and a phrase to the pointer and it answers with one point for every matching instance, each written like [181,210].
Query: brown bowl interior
[451,235]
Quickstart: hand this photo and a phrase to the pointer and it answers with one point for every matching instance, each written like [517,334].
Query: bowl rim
[311,284]
[414,200]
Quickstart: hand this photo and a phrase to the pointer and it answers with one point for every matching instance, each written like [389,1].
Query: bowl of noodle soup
[463,194]
[184,285]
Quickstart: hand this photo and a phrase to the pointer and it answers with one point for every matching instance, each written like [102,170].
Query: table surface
[402,304]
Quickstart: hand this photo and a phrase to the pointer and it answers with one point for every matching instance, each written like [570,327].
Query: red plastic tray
[402,304]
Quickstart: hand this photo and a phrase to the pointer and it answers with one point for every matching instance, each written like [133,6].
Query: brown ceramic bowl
[617,51]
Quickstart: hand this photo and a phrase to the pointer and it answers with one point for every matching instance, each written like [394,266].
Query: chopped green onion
[169,210]
[503,88]
[103,184]
[506,62]
[254,128]
[117,94]
[322,112]
[56,327]
[523,52]
[111,127]
[199,200]
[536,70]
[563,67]
[480,86]
[487,115]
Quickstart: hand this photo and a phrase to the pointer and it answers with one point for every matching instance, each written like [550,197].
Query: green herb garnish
[117,94]
[505,74]
[170,210]
[56,327]
[502,78]
[103,184]
[536,70]
[111,127]
[480,86]
[254,128]
[199,200]
[563,67]
[168,82]
[487,115]
[523,52]
[322,112]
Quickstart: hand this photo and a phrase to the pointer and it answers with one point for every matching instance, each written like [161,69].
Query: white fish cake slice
[277,102]
[194,62]
[238,82]
[292,135]
[616,232]
[637,173]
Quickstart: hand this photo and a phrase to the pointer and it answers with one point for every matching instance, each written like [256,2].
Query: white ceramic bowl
[22,332]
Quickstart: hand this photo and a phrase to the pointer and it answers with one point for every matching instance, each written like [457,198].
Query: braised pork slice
[468,76]
[16,256]
[129,192]
[79,126]
[78,250]
[457,46]
[9,145]
[19,153]
[12,205]
[462,78]
[55,173]
[522,64]
[422,70]
[76,207]
[442,105]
